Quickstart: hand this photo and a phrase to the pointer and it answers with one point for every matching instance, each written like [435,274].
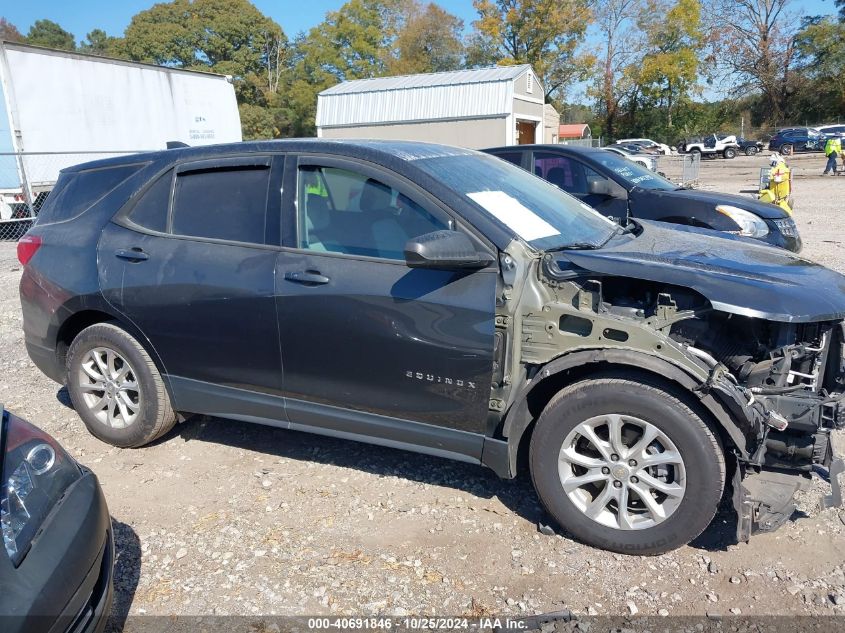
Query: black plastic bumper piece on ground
[64,584]
[837,467]
[764,500]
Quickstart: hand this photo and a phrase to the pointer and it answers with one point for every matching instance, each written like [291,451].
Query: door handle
[133,254]
[307,277]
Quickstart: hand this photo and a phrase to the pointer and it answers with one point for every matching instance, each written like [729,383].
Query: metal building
[470,108]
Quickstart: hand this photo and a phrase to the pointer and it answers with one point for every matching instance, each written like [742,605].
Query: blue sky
[81,16]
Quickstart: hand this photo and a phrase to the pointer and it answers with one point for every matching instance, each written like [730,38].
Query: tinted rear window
[224,204]
[76,192]
[512,157]
[151,209]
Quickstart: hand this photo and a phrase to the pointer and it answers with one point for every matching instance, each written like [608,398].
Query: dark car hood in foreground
[712,198]
[737,276]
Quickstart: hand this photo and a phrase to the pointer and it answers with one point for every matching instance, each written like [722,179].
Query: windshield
[634,174]
[538,212]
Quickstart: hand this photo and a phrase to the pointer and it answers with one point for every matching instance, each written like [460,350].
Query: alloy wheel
[109,387]
[622,472]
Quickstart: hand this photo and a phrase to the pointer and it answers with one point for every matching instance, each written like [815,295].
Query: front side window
[568,174]
[225,204]
[342,211]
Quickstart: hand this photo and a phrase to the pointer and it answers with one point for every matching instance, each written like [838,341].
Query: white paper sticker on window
[522,220]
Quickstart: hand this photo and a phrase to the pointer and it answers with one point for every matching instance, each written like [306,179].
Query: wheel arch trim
[74,310]
[519,418]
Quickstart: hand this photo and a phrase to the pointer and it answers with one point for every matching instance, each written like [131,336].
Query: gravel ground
[221,517]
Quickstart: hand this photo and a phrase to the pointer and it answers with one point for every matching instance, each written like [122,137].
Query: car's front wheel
[751,150]
[786,149]
[624,464]
[729,152]
[116,388]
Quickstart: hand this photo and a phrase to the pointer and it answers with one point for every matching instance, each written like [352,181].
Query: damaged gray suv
[443,301]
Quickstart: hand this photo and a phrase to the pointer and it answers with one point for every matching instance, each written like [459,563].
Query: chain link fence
[27,178]
[682,169]
[581,142]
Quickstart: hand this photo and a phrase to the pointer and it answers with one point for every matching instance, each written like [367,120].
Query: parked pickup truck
[445,301]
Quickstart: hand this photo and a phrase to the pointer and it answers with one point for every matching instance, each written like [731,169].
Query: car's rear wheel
[786,149]
[116,388]
[624,464]
[751,150]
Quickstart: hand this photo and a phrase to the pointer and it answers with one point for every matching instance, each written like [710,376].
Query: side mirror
[600,187]
[444,250]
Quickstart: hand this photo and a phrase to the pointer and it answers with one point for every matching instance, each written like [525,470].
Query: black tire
[786,149]
[729,152]
[751,150]
[639,396]
[695,150]
[155,415]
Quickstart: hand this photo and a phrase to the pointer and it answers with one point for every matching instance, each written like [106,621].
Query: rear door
[191,265]
[371,346]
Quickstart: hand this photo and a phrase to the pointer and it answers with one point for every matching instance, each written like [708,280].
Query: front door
[369,345]
[195,276]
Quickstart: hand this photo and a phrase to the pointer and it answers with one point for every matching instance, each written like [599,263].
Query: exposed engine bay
[792,374]
[783,382]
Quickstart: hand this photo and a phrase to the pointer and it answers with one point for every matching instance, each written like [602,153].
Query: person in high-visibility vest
[780,184]
[314,184]
[832,149]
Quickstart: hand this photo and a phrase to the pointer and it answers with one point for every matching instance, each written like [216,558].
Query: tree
[49,34]
[820,62]
[615,67]
[840,4]
[673,36]
[754,45]
[257,122]
[353,42]
[543,33]
[98,42]
[429,40]
[9,31]
[230,37]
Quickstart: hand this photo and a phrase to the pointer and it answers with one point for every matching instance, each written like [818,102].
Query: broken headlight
[36,472]
[749,225]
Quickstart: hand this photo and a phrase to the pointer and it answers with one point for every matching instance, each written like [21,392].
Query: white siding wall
[470,133]
[430,103]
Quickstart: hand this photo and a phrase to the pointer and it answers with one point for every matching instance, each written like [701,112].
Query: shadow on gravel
[127,571]
[518,494]
[63,397]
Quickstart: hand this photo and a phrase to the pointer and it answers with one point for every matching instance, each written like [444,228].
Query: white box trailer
[59,108]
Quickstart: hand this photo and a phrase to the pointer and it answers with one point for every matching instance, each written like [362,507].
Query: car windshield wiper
[574,246]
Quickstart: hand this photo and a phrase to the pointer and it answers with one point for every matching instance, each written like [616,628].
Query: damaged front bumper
[765,499]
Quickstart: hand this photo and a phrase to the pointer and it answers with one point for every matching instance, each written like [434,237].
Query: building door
[525,132]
